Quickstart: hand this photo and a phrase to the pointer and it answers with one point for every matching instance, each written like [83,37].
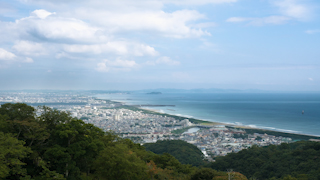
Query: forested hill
[55,146]
[186,153]
[300,160]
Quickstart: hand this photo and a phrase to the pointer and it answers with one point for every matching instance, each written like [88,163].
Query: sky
[269,45]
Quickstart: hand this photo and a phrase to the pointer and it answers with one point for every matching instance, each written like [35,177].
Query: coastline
[296,136]
[243,127]
[206,122]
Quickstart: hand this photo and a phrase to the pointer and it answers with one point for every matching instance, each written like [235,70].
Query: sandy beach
[210,123]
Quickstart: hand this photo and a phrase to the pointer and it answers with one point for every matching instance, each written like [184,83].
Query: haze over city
[128,45]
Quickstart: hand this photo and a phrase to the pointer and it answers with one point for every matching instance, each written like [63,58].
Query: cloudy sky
[126,44]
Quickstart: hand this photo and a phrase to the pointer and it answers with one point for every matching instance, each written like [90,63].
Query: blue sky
[128,45]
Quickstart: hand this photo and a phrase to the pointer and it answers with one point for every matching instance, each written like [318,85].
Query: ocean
[273,111]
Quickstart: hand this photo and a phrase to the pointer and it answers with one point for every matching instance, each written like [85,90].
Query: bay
[273,111]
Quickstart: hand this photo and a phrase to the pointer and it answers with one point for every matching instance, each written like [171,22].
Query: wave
[274,129]
[182,115]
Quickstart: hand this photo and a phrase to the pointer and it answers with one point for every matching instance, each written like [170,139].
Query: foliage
[204,174]
[55,146]
[243,136]
[299,159]
[210,174]
[186,153]
[125,164]
[18,111]
[12,152]
[180,131]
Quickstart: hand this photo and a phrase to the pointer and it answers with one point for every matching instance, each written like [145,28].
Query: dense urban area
[143,126]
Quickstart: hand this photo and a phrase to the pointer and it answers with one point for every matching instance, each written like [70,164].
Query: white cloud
[163,60]
[120,63]
[313,31]
[117,65]
[29,48]
[6,55]
[142,49]
[28,60]
[272,20]
[155,22]
[76,36]
[310,79]
[114,47]
[10,57]
[293,9]
[304,67]
[260,21]
[141,15]
[204,25]
[95,29]
[102,67]
[167,61]
[237,19]
[117,47]
[57,29]
[288,10]
[135,4]
[41,13]
[199,2]
[128,15]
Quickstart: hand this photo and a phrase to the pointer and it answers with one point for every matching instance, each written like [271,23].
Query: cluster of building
[144,127]
[126,122]
[219,140]
[41,97]
[215,141]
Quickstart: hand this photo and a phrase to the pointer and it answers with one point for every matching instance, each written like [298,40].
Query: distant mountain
[154,93]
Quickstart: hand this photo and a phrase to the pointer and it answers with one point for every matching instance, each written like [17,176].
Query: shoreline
[206,122]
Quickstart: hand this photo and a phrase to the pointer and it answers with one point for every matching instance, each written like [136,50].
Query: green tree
[3,123]
[288,177]
[204,174]
[76,145]
[292,159]
[18,111]
[12,152]
[53,117]
[120,162]
[186,153]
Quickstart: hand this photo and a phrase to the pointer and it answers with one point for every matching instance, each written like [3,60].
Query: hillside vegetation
[186,153]
[299,160]
[55,146]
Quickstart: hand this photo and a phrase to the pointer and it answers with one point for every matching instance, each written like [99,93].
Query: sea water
[274,111]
